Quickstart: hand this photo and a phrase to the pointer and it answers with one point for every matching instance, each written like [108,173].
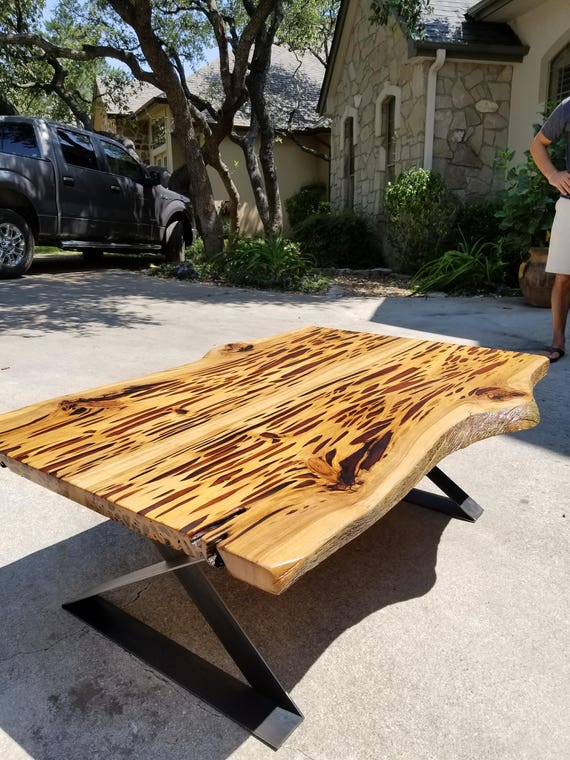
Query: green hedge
[420,214]
[270,263]
[342,239]
[311,199]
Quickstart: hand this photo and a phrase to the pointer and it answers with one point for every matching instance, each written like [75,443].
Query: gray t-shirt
[558,125]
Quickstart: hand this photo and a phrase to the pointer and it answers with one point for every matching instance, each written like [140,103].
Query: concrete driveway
[423,639]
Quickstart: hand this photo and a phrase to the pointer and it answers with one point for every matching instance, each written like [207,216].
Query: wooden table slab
[267,456]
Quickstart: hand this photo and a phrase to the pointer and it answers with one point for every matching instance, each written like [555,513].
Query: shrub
[526,204]
[313,283]
[260,263]
[478,266]
[420,213]
[311,199]
[339,239]
[475,222]
[265,263]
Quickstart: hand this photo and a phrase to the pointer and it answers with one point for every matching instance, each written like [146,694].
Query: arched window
[348,171]
[388,136]
[559,79]
[386,126]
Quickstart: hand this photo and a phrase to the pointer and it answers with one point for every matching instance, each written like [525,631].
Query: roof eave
[468,51]
[148,103]
[484,8]
[338,29]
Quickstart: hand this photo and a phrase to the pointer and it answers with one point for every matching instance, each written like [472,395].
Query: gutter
[430,107]
[471,51]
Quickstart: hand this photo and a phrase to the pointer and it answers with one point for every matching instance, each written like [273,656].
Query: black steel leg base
[263,707]
[456,503]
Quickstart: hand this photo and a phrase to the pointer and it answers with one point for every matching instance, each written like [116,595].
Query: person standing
[557,125]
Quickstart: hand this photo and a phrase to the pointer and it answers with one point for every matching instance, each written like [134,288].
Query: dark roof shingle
[292,94]
[449,25]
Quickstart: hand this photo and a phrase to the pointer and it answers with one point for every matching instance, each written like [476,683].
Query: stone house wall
[471,115]
[471,126]
[375,64]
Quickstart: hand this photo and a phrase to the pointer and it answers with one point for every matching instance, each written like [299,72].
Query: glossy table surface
[268,456]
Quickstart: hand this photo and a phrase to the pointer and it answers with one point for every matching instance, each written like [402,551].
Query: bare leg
[560,303]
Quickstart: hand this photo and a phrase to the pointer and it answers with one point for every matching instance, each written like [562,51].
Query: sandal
[555,350]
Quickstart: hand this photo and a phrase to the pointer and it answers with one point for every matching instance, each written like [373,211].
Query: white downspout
[430,106]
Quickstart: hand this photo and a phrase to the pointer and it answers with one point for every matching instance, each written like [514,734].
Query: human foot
[554,353]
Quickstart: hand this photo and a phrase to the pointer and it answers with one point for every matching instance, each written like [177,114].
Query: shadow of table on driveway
[68,693]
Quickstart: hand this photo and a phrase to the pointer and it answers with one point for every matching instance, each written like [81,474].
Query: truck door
[139,222]
[92,206]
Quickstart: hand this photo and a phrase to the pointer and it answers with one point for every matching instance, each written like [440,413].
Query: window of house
[160,159]
[388,136]
[157,132]
[559,83]
[348,153]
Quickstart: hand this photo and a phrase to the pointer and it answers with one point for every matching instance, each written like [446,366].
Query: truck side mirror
[159,175]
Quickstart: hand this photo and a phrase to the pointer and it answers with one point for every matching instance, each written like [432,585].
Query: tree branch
[57,85]
[86,53]
[294,138]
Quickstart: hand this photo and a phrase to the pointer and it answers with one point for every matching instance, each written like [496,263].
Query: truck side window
[121,162]
[19,139]
[77,149]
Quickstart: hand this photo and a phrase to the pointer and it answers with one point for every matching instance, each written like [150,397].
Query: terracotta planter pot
[534,282]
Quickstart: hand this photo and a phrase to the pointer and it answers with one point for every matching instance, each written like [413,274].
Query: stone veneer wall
[375,56]
[471,118]
[471,126]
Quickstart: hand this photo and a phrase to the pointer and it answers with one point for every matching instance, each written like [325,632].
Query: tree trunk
[6,107]
[202,196]
[269,203]
[138,15]
[233,197]
[267,160]
[247,144]
[211,153]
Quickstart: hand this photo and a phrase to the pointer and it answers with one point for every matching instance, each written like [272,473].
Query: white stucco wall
[546,30]
[295,168]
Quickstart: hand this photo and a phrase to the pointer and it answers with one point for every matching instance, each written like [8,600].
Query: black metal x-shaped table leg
[262,705]
[456,503]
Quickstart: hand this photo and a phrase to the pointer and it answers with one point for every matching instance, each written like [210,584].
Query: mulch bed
[374,286]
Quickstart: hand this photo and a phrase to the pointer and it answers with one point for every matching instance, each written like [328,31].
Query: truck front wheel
[173,246]
[16,244]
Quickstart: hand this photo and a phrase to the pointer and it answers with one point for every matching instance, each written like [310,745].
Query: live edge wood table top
[270,455]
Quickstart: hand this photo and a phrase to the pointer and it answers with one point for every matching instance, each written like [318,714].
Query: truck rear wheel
[16,244]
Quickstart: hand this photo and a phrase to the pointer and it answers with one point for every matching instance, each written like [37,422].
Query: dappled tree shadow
[65,294]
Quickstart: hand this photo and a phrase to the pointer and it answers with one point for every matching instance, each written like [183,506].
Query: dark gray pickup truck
[80,190]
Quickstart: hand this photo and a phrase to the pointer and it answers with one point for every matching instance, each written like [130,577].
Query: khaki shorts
[558,260]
